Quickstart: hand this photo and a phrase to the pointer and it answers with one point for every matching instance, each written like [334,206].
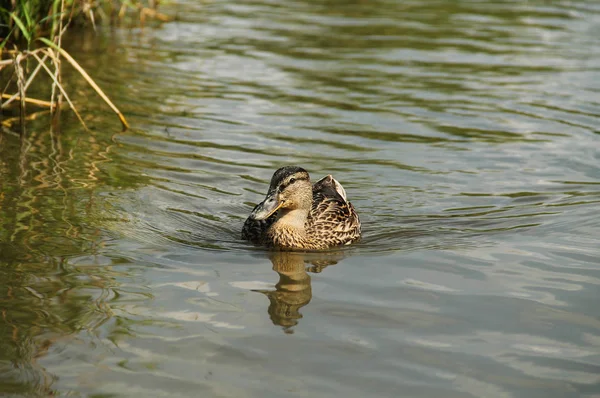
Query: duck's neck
[292,219]
[289,230]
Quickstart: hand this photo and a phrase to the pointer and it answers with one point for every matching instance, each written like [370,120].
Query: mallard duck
[297,215]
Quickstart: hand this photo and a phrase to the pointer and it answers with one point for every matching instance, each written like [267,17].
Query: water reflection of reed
[48,184]
[293,290]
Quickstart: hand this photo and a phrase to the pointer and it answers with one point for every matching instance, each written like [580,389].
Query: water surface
[465,133]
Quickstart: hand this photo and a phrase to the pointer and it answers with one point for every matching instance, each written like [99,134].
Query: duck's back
[332,220]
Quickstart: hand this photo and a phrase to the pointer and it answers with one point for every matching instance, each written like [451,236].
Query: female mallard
[298,215]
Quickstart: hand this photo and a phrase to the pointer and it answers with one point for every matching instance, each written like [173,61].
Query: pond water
[466,136]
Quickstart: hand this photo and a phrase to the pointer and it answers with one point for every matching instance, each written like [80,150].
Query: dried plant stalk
[60,87]
[21,87]
[89,80]
[29,81]
[33,101]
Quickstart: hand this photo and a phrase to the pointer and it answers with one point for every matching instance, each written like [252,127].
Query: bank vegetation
[31,45]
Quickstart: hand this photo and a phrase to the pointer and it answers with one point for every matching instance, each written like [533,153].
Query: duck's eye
[292,180]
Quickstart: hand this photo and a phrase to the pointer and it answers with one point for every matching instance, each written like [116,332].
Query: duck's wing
[329,186]
[255,230]
[332,219]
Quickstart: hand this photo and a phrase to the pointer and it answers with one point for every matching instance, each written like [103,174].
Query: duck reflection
[293,290]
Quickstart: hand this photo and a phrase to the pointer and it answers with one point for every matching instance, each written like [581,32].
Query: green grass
[22,21]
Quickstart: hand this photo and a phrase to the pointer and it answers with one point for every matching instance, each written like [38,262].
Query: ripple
[465,134]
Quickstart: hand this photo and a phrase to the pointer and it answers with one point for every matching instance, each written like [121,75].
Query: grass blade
[21,26]
[25,9]
[6,39]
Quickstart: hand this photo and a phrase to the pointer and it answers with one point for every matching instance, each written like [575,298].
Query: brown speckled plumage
[309,217]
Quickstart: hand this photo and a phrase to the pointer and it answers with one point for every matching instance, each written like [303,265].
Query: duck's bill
[266,208]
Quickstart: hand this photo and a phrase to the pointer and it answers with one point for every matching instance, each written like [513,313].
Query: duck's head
[290,189]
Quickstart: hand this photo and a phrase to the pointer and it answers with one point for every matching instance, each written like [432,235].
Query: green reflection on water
[55,281]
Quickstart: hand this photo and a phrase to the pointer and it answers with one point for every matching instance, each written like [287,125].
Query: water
[465,133]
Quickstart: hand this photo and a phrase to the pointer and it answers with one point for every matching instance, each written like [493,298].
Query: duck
[297,215]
